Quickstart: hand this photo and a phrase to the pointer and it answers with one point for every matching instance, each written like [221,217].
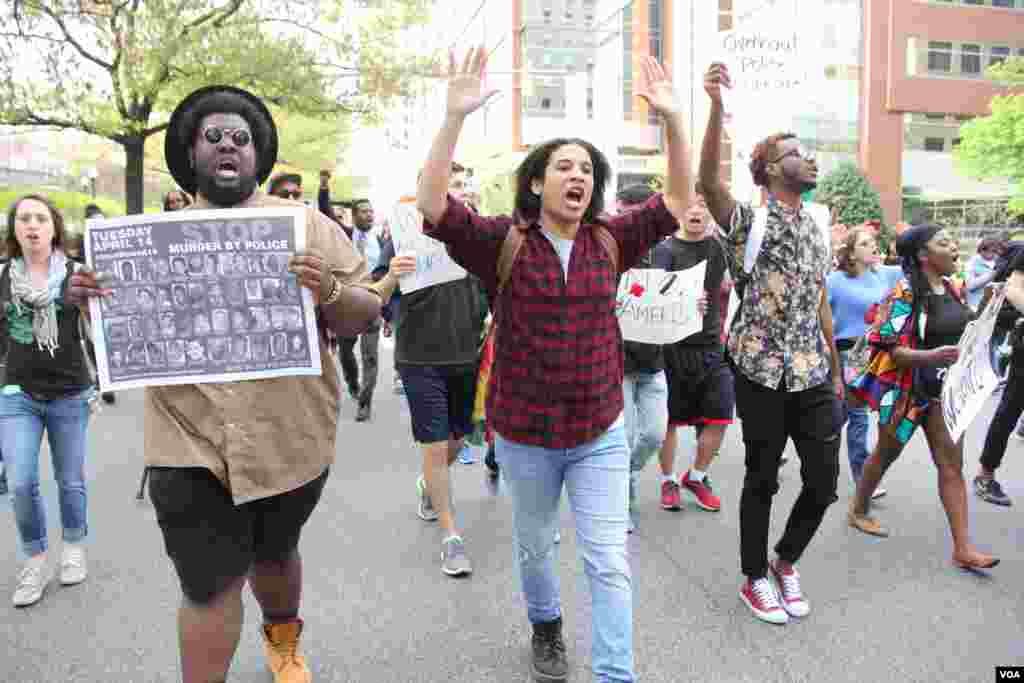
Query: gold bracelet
[335,292]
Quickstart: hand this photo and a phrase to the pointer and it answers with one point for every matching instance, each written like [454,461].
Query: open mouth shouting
[226,169]
[574,197]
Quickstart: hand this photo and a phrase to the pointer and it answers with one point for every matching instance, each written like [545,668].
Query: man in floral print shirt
[788,384]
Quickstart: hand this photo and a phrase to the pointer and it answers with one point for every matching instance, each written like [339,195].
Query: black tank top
[947,319]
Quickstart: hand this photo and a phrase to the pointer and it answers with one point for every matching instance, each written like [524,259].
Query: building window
[545,103]
[1003,3]
[935,117]
[998,54]
[940,56]
[934,144]
[970,59]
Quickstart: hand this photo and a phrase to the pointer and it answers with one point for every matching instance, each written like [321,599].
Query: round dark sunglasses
[285,194]
[240,136]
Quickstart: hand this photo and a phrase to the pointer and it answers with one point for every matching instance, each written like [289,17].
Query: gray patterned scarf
[42,302]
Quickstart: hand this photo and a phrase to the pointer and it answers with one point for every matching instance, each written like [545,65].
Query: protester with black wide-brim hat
[237,468]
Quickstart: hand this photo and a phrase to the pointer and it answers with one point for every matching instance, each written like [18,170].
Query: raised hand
[656,88]
[716,78]
[466,91]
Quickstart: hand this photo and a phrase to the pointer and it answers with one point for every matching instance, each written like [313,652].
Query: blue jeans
[596,475]
[646,410]
[856,431]
[22,421]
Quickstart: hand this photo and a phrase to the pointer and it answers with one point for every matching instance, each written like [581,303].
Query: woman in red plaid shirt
[556,400]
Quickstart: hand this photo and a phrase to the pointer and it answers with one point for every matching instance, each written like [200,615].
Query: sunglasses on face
[240,136]
[286,194]
[799,151]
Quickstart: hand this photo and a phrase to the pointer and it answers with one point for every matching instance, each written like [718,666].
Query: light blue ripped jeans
[596,475]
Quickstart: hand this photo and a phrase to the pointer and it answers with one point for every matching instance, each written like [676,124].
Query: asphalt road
[378,609]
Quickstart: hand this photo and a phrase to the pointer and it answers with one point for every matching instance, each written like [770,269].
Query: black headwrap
[911,242]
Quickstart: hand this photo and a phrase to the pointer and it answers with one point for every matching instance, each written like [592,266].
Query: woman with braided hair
[914,340]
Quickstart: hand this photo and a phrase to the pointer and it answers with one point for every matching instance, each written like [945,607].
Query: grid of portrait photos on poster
[224,312]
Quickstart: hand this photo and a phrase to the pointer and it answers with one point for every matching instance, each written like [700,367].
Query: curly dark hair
[765,152]
[11,243]
[534,166]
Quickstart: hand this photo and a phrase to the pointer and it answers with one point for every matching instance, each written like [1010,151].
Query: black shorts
[700,388]
[440,400]
[213,542]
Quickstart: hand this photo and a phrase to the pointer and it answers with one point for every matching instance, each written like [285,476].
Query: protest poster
[656,306]
[770,64]
[201,296]
[968,383]
[433,264]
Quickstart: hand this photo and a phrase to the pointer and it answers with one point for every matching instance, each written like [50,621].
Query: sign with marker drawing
[656,306]
[969,382]
[201,296]
[433,264]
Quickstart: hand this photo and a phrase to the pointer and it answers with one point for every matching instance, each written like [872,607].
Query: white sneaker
[72,565]
[32,583]
[879,493]
[793,600]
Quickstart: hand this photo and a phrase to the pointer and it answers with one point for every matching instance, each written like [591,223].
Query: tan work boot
[281,643]
[864,523]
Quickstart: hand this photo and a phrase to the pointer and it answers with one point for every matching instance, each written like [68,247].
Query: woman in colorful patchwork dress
[914,340]
[47,386]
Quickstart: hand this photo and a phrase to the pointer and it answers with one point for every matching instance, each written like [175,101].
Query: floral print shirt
[776,335]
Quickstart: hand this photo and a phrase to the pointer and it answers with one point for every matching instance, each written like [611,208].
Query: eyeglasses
[240,136]
[798,151]
[285,194]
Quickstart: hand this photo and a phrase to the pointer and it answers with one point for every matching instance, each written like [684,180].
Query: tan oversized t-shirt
[260,438]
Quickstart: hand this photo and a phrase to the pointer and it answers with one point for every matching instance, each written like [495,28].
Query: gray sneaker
[453,558]
[426,509]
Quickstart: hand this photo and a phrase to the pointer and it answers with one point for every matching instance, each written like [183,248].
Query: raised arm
[657,90]
[465,95]
[720,202]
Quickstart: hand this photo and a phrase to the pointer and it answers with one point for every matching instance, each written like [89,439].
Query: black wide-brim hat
[181,134]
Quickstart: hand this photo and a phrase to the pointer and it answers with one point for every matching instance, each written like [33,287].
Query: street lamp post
[92,181]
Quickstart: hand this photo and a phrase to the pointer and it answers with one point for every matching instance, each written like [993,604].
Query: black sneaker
[363,414]
[491,462]
[108,397]
[548,661]
[3,483]
[989,490]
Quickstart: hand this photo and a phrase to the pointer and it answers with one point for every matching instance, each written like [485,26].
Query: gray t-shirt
[563,248]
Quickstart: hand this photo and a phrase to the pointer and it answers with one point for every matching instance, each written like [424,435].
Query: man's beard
[225,196]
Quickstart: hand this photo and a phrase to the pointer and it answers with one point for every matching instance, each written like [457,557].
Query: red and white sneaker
[701,492]
[670,499]
[793,600]
[759,595]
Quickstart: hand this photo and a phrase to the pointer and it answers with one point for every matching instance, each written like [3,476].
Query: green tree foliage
[993,146]
[849,194]
[117,68]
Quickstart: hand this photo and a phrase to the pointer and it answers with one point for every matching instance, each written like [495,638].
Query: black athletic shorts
[700,387]
[440,400]
[213,542]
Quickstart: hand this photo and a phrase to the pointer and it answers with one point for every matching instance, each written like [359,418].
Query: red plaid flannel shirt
[557,381]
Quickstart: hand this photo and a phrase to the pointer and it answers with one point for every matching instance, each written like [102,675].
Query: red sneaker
[670,499]
[762,600]
[793,600]
[701,491]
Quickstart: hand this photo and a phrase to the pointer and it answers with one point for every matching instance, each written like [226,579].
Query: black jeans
[368,349]
[1011,405]
[813,419]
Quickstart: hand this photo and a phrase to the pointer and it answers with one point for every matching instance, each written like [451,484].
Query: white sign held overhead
[656,306]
